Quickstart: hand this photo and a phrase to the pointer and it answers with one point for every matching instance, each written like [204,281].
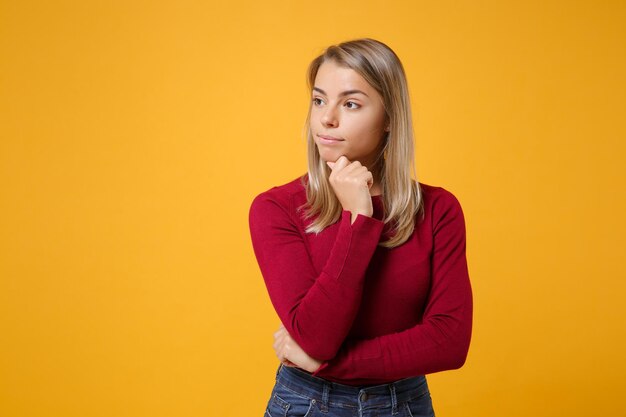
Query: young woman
[365,266]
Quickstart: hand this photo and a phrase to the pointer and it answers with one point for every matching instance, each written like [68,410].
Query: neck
[376,171]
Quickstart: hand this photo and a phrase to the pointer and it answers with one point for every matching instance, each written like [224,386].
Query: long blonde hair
[402,196]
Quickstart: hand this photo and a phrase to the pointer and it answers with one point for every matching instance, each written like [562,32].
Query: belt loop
[278,369]
[394,399]
[325,397]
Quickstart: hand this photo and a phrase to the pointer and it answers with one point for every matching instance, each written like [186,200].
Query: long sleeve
[317,310]
[441,341]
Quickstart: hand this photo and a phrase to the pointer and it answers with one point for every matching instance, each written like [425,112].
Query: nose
[329,118]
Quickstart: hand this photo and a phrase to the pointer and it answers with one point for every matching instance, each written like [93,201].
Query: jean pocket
[420,406]
[286,403]
[277,407]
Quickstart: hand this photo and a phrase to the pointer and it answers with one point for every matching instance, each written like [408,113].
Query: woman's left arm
[441,341]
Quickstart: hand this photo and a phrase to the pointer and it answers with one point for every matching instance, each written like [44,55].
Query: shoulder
[279,197]
[440,202]
[437,194]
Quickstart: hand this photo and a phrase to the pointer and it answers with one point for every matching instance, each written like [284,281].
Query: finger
[279,331]
[279,343]
[341,163]
[279,350]
[281,355]
[337,166]
[353,168]
[367,177]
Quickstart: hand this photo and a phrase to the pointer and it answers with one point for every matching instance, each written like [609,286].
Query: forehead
[334,79]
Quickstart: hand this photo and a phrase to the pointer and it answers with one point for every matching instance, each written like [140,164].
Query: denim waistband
[365,396]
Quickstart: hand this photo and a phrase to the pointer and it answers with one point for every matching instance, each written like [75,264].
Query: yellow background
[135,134]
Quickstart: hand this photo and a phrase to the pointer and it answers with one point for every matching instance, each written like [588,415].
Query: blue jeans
[297,393]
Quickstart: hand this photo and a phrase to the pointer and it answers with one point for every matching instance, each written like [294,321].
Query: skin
[291,354]
[360,121]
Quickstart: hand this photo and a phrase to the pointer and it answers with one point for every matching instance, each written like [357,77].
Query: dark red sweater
[373,315]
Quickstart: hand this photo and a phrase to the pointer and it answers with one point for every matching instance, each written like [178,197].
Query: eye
[315,100]
[352,102]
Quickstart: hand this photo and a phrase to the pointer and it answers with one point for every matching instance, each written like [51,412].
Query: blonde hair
[402,196]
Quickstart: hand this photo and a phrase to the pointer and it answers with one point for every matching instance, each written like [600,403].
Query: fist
[351,183]
[291,354]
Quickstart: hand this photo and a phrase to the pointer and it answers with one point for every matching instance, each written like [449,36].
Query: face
[347,115]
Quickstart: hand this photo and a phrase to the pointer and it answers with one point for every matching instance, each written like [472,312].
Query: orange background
[135,134]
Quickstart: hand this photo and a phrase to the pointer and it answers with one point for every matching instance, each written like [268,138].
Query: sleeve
[441,341]
[316,309]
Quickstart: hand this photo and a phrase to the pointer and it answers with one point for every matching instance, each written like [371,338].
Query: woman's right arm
[316,309]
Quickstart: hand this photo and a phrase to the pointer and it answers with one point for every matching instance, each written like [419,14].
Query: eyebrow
[344,93]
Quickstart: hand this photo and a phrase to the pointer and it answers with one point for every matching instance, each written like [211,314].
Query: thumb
[330,164]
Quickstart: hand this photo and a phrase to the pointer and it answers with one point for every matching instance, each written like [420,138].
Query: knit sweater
[373,315]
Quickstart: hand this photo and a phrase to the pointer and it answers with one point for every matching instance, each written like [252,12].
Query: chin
[330,156]
[326,156]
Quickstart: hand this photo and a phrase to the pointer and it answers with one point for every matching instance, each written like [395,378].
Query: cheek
[364,134]
[314,116]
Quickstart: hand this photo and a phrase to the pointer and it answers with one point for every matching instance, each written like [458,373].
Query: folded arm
[317,309]
[441,341]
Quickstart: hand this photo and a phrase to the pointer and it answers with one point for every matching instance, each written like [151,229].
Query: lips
[327,137]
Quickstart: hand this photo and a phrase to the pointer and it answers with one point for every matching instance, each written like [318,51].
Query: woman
[365,266]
